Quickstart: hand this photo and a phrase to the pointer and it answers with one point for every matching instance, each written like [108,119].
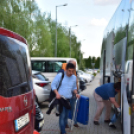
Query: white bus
[49,66]
[117,56]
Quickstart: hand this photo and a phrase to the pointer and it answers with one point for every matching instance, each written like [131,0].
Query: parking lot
[51,125]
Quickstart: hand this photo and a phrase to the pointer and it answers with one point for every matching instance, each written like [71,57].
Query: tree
[25,18]
[97,63]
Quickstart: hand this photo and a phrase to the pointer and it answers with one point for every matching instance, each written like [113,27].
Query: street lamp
[56,30]
[70,37]
[80,54]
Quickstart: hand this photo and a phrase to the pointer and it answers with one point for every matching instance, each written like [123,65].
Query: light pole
[70,37]
[56,30]
[80,54]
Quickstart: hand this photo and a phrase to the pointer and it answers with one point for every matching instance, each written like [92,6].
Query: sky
[91,16]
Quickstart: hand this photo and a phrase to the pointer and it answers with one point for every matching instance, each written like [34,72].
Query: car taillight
[41,84]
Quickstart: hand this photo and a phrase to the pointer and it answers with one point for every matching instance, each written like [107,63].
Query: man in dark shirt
[105,96]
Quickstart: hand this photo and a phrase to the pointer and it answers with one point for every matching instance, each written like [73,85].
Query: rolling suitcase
[81,111]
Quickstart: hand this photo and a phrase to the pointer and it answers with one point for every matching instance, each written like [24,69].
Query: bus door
[120,65]
[104,66]
[132,98]
[120,55]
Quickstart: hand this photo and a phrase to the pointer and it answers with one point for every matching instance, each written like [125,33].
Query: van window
[128,67]
[14,69]
[38,66]
[47,66]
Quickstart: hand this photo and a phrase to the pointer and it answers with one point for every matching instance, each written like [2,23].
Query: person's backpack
[52,94]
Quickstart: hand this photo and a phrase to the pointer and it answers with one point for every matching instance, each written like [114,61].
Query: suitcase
[81,110]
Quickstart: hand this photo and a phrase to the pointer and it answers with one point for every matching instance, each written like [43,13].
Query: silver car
[84,75]
[42,86]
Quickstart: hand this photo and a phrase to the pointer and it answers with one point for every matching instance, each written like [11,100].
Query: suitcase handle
[74,116]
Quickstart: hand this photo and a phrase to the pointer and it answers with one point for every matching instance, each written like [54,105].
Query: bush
[94,74]
[98,71]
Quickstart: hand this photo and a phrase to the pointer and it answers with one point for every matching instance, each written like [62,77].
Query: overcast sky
[91,16]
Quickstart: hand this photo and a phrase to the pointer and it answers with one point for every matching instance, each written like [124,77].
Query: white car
[95,71]
[84,75]
[41,86]
[89,71]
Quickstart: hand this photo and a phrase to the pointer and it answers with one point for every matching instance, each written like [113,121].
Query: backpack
[52,94]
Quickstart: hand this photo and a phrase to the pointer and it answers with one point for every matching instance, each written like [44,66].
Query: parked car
[49,66]
[17,107]
[39,118]
[89,71]
[95,71]
[41,85]
[87,77]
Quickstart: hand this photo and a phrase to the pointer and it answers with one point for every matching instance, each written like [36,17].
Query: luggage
[81,110]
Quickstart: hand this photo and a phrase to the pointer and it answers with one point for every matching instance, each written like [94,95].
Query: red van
[17,109]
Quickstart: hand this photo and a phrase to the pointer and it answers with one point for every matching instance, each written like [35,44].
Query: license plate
[21,122]
[41,123]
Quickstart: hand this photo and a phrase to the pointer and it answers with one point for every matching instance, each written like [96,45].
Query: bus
[17,108]
[117,60]
[49,66]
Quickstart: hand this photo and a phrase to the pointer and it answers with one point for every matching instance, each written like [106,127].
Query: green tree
[25,18]
[97,63]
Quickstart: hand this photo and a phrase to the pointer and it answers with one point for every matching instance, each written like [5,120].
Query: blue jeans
[63,120]
[115,117]
[72,103]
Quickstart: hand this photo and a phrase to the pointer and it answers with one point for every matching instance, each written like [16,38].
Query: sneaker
[76,125]
[112,125]
[107,121]
[96,123]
